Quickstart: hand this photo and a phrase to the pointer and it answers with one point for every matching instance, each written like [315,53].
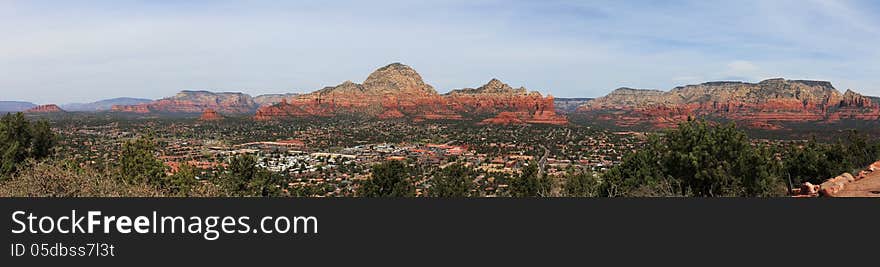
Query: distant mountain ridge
[760,105]
[104,105]
[15,106]
[569,104]
[198,101]
[269,99]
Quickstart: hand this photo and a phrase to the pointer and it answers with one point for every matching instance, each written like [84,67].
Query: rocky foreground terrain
[767,104]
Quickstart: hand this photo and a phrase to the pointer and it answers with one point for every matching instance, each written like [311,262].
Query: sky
[83,51]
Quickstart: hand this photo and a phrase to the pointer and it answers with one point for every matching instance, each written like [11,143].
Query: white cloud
[742,69]
[58,51]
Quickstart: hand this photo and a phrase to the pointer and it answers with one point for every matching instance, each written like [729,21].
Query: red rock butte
[765,105]
[51,108]
[397,91]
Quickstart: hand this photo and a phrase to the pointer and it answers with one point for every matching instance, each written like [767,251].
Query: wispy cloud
[54,51]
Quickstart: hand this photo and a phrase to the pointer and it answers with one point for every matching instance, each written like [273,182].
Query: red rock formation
[762,105]
[510,106]
[397,91]
[393,91]
[50,108]
[210,115]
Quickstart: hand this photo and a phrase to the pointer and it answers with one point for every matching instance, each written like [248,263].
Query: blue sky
[79,51]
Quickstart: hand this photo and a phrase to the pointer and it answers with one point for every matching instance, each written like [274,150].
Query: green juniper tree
[581,185]
[20,140]
[138,162]
[244,178]
[698,159]
[389,179]
[529,184]
[452,181]
[184,180]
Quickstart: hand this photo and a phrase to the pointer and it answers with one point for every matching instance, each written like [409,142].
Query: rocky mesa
[50,108]
[766,104]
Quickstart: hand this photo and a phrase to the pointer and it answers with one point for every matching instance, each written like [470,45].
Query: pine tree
[138,162]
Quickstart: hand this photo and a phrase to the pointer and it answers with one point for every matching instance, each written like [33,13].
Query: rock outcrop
[210,115]
[397,91]
[758,105]
[50,108]
[832,186]
[506,104]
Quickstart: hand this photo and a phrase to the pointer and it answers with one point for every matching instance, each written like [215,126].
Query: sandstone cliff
[506,104]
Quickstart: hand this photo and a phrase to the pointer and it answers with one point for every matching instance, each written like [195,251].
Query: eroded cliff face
[393,91]
[397,91]
[505,104]
[758,105]
[195,102]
